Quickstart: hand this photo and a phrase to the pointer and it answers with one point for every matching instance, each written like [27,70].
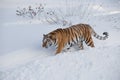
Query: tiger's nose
[44,46]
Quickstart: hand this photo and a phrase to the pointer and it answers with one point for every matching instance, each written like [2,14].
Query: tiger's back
[75,34]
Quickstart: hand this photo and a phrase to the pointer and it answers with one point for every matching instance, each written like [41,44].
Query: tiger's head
[48,40]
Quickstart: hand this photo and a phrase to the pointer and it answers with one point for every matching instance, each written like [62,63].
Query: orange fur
[74,34]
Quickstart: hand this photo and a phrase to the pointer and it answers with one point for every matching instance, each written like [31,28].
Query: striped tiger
[74,34]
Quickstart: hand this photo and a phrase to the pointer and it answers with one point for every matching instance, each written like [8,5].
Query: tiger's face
[47,41]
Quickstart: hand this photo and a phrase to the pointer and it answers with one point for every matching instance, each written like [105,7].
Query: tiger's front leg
[59,48]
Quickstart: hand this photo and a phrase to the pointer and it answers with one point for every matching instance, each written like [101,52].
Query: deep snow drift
[23,58]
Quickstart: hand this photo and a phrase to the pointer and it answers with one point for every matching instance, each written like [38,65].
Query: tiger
[75,34]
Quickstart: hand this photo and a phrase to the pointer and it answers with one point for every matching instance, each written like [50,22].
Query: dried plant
[50,16]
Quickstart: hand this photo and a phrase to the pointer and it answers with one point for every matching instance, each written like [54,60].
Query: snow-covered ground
[23,58]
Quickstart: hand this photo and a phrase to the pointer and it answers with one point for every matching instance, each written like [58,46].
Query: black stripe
[97,36]
[68,42]
[88,40]
[55,41]
[90,43]
[76,38]
[71,45]
[73,41]
[101,38]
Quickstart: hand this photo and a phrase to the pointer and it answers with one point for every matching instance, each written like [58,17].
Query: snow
[101,64]
[23,58]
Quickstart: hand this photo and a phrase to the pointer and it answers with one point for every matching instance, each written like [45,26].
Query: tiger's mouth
[44,46]
[48,46]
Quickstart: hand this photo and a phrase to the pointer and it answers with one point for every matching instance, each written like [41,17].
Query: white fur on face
[47,41]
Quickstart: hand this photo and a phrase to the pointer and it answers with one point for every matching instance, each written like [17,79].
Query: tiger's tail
[100,37]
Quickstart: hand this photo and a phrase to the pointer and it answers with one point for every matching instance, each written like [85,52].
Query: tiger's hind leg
[90,42]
